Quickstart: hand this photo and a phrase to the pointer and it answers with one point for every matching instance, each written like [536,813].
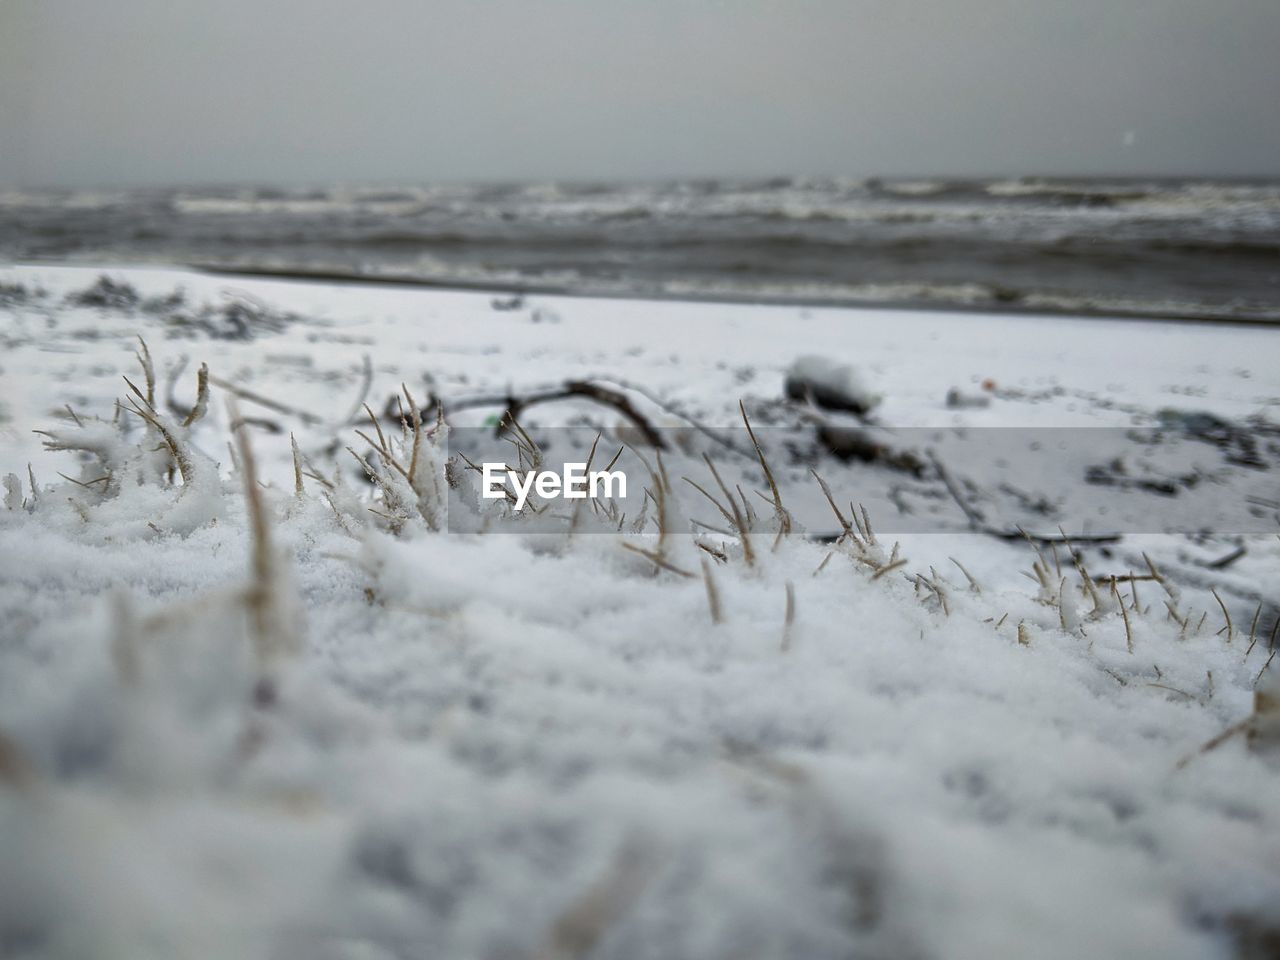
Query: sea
[1192,249]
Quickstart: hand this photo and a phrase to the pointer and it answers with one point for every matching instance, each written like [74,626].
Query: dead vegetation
[19,294]
[107,294]
[410,476]
[239,315]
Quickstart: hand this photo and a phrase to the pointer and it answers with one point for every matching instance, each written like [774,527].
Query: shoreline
[585,291]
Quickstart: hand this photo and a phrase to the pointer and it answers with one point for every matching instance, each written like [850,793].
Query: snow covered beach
[369,737]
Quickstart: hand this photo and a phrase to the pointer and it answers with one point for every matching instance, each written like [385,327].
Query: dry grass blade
[1217,741]
[716,503]
[789,620]
[416,423]
[297,466]
[713,595]
[711,527]
[973,584]
[858,522]
[401,418]
[202,396]
[845,525]
[338,515]
[657,559]
[176,448]
[382,440]
[87,484]
[245,394]
[1129,577]
[1159,578]
[739,521]
[974,516]
[1264,734]
[506,492]
[591,454]
[316,475]
[783,515]
[615,459]
[746,506]
[525,444]
[366,381]
[272,635]
[387,456]
[889,568]
[1258,678]
[596,508]
[936,589]
[148,371]
[1231,631]
[375,477]
[260,559]
[1128,630]
[1272,644]
[719,555]
[137,393]
[1165,686]
[1253,630]
[867,533]
[584,922]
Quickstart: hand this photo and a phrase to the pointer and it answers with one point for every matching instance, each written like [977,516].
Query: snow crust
[543,745]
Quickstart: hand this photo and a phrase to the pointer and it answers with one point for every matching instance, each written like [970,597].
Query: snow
[541,745]
[829,384]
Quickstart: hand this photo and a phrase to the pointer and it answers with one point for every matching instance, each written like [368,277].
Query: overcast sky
[189,91]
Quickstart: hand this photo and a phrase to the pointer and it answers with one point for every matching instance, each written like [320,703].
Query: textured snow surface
[540,746]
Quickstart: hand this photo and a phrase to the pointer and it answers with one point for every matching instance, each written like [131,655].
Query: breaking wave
[1200,248]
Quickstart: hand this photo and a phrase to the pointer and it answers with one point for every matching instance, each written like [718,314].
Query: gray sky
[188,91]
